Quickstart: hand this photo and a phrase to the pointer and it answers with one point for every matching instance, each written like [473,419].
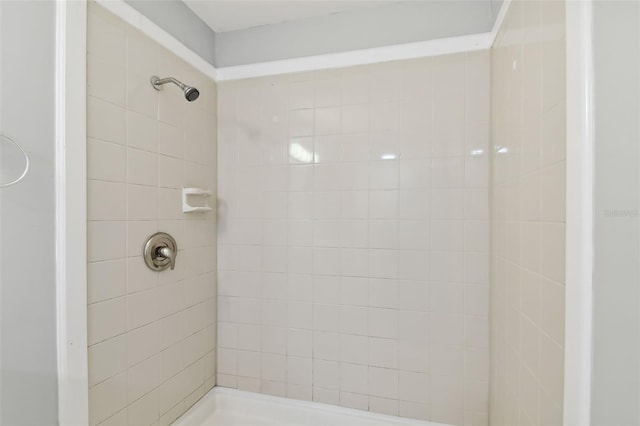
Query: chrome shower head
[190,93]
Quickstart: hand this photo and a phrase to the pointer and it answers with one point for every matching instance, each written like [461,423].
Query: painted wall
[180,21]
[386,25]
[394,23]
[616,295]
[28,375]
[495,6]
[528,215]
[353,237]
[151,334]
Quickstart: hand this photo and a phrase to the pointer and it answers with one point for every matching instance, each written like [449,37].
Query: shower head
[190,93]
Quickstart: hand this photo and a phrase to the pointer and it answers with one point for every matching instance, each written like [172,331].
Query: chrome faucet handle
[167,253]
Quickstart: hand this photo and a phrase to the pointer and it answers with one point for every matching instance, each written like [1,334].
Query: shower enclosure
[317,236]
[355,220]
[352,237]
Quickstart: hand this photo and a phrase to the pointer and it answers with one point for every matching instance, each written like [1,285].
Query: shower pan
[230,407]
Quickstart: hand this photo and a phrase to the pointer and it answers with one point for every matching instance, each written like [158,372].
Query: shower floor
[230,407]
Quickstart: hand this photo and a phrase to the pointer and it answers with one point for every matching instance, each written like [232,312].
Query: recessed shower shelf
[191,194]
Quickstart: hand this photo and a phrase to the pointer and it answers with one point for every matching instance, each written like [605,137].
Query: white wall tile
[142,343]
[383,352]
[383,382]
[142,308]
[383,204]
[139,276]
[151,335]
[383,234]
[142,132]
[413,356]
[354,349]
[326,345]
[354,291]
[106,161]
[142,378]
[383,323]
[369,190]
[105,121]
[249,364]
[301,94]
[106,36]
[142,167]
[274,367]
[352,400]
[355,118]
[106,359]
[107,398]
[106,280]
[383,406]
[141,96]
[107,319]
[413,386]
[354,378]
[170,140]
[299,370]
[527,229]
[414,295]
[142,203]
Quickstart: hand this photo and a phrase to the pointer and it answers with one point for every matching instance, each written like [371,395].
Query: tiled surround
[528,216]
[353,237]
[151,335]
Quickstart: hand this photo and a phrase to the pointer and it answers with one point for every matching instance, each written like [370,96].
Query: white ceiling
[230,15]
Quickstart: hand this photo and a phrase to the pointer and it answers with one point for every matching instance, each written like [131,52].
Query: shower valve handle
[166,253]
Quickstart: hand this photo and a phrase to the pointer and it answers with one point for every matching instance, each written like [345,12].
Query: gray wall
[616,286]
[178,20]
[27,217]
[495,8]
[403,22]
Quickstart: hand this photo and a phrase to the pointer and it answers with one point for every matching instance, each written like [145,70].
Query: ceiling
[230,15]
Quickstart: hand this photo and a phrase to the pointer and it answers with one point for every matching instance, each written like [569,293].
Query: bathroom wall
[175,17]
[528,215]
[28,369]
[151,335]
[379,25]
[616,295]
[353,237]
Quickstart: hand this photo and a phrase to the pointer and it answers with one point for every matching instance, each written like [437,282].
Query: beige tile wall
[528,216]
[354,239]
[151,335]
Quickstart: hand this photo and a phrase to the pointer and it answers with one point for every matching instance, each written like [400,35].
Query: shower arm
[157,82]
[190,93]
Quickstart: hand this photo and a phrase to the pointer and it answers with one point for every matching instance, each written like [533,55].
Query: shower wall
[528,215]
[151,335]
[353,237]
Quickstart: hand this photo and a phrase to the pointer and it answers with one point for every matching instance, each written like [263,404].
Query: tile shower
[528,216]
[348,261]
[353,237]
[151,335]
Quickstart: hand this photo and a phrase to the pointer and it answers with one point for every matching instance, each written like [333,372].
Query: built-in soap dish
[196,200]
